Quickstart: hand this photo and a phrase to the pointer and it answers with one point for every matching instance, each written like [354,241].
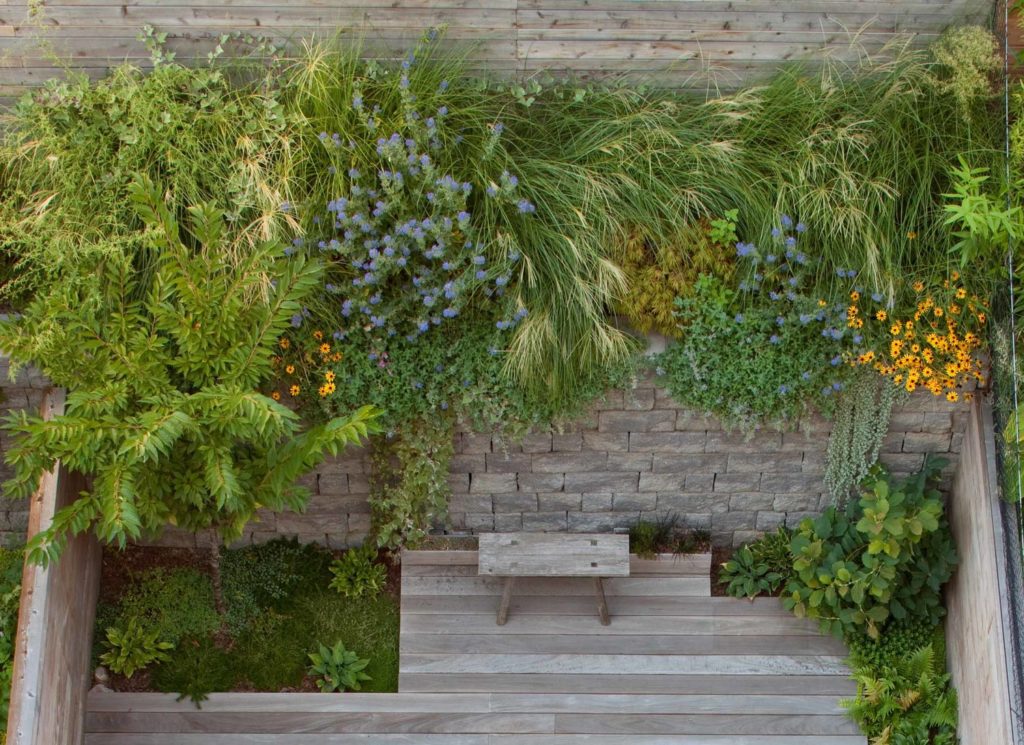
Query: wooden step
[643,587]
[832,685]
[638,644]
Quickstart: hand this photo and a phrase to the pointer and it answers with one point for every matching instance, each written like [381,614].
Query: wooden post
[506,598]
[602,604]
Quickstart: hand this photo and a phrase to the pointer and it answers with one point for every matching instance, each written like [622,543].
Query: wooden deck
[676,667]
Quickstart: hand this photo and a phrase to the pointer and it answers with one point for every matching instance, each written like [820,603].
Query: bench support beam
[506,598]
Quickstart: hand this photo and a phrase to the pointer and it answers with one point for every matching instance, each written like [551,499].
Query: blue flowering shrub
[421,299]
[767,348]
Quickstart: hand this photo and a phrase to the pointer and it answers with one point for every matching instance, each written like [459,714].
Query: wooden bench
[512,555]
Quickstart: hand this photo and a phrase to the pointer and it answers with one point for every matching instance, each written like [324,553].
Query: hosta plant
[746,576]
[357,572]
[133,647]
[338,669]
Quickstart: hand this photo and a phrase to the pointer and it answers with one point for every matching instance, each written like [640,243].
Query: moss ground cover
[280,608]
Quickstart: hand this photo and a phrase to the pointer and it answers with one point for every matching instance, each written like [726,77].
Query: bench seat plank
[554,555]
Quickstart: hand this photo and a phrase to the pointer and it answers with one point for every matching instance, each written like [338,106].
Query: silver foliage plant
[859,425]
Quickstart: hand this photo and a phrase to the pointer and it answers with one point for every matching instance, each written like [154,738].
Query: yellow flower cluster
[298,365]
[935,349]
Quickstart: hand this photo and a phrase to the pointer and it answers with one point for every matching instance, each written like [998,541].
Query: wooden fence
[58,604]
[677,42]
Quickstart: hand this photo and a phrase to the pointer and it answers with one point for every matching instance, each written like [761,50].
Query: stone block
[612,400]
[606,441]
[814,462]
[765,462]
[696,503]
[666,482]
[688,421]
[728,522]
[458,482]
[508,523]
[311,481]
[359,523]
[339,541]
[469,503]
[737,482]
[937,422]
[545,521]
[597,501]
[793,519]
[598,522]
[656,420]
[750,502]
[796,502]
[801,440]
[481,521]
[957,443]
[358,483]
[536,482]
[790,483]
[743,537]
[634,502]
[568,442]
[513,502]
[628,462]
[330,483]
[294,523]
[699,482]
[457,520]
[770,520]
[690,462]
[601,481]
[667,442]
[641,399]
[469,463]
[892,442]
[906,421]
[697,520]
[902,462]
[505,446]
[509,463]
[473,442]
[569,463]
[559,501]
[737,442]
[536,442]
[491,483]
[663,399]
[347,505]
[927,442]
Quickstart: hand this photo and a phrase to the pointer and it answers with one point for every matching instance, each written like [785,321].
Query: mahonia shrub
[767,350]
[884,556]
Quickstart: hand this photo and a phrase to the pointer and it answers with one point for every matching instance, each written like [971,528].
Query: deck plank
[583,605]
[643,587]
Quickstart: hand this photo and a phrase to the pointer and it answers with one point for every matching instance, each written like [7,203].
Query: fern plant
[906,699]
[164,363]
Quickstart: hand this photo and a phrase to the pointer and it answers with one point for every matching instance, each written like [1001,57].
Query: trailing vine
[860,422]
[409,490]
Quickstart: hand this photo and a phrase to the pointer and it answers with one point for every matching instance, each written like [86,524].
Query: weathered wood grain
[703,724]
[569,643]
[637,684]
[618,664]
[665,704]
[583,605]
[554,555]
[530,584]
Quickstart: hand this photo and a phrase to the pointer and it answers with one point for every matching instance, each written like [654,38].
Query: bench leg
[506,598]
[602,604]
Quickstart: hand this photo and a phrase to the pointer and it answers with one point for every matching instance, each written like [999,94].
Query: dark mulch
[120,566]
[719,555]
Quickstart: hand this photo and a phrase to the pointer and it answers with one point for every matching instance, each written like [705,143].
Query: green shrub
[746,576]
[885,556]
[133,647]
[338,669]
[11,561]
[266,575]
[357,573]
[903,692]
[648,538]
[173,603]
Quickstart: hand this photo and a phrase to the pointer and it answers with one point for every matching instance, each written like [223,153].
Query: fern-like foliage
[164,362]
[905,698]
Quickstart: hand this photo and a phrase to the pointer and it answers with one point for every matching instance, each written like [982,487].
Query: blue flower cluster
[400,243]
